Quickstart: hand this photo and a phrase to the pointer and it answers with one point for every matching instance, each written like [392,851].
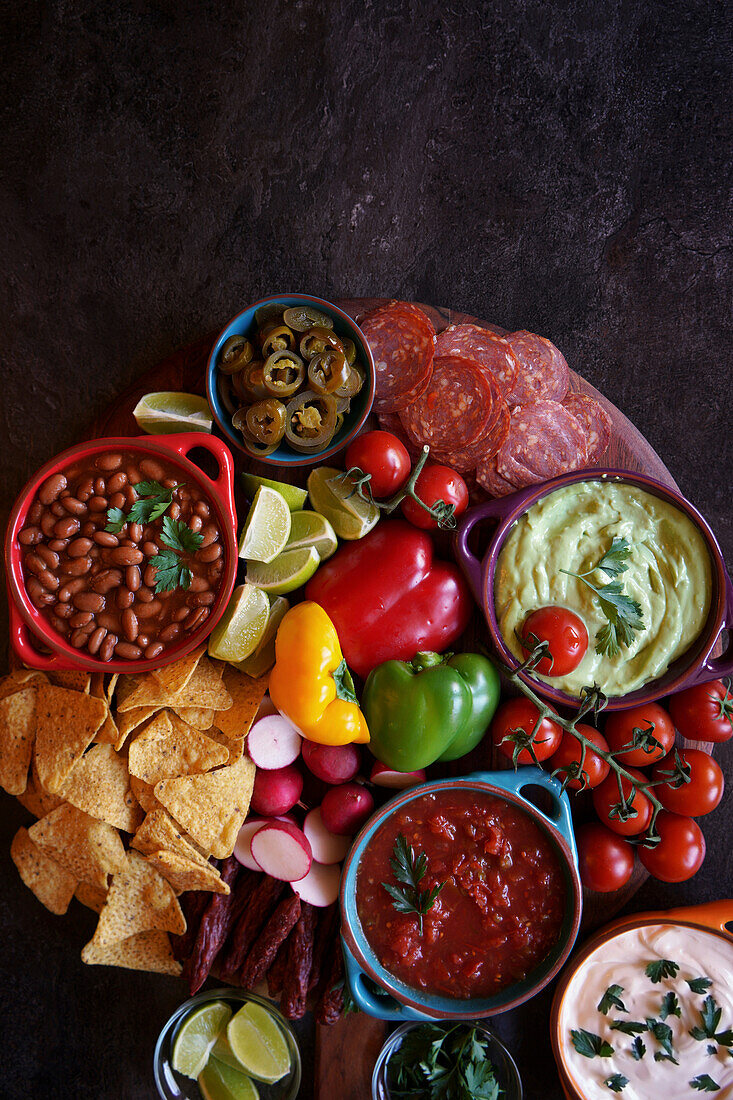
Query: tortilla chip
[200,718]
[139,900]
[90,896]
[66,722]
[234,745]
[19,679]
[50,882]
[168,747]
[111,686]
[174,677]
[211,807]
[187,874]
[143,793]
[90,849]
[159,832]
[36,800]
[149,951]
[108,733]
[132,720]
[99,784]
[247,694]
[75,681]
[17,728]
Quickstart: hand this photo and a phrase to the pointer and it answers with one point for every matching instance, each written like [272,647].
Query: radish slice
[326,846]
[320,886]
[382,776]
[273,743]
[282,851]
[243,847]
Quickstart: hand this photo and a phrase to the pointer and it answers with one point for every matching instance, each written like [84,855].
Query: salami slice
[595,422]
[544,441]
[466,460]
[402,341]
[456,409]
[491,480]
[543,373]
[486,348]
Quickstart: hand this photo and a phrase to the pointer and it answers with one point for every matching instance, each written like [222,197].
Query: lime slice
[295,497]
[238,632]
[312,529]
[263,658]
[219,1081]
[333,496]
[288,571]
[258,1044]
[266,528]
[167,412]
[196,1037]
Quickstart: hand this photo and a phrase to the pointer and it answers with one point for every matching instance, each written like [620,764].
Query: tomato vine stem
[442,512]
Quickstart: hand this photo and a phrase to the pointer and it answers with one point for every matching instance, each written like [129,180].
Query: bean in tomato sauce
[498,914]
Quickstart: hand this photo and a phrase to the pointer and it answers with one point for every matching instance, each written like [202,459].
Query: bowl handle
[20,641]
[515,782]
[381,1005]
[713,668]
[469,563]
[187,441]
[713,915]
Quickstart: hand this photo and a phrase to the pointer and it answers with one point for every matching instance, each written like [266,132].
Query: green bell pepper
[431,708]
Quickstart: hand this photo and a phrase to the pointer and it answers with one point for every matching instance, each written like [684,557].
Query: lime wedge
[295,497]
[238,632]
[258,1044]
[167,412]
[333,496]
[263,658]
[312,529]
[219,1081]
[266,528]
[196,1037]
[288,571]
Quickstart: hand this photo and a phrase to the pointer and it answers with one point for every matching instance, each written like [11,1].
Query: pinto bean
[98,504]
[96,639]
[48,556]
[29,536]
[106,580]
[70,588]
[81,618]
[78,567]
[170,632]
[118,500]
[127,650]
[63,610]
[125,598]
[116,482]
[210,553]
[89,601]
[57,545]
[106,538]
[148,610]
[152,469]
[210,533]
[108,647]
[65,528]
[153,651]
[133,580]
[48,521]
[51,488]
[107,462]
[125,555]
[196,618]
[79,548]
[130,627]
[85,490]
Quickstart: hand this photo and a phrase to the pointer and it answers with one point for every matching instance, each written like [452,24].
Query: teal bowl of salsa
[506,915]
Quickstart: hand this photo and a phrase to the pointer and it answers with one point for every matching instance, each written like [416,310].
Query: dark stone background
[558,166]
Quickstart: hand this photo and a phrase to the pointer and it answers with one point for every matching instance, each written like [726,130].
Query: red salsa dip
[498,914]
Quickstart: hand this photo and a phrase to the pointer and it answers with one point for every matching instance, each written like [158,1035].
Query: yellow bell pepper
[310,683]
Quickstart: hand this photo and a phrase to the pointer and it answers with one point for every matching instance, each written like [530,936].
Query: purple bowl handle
[713,668]
[471,566]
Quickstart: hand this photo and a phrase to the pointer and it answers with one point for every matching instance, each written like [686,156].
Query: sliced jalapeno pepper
[279,338]
[235,354]
[310,420]
[349,350]
[352,385]
[283,373]
[249,384]
[251,444]
[343,404]
[265,421]
[270,312]
[317,340]
[327,371]
[224,384]
[303,318]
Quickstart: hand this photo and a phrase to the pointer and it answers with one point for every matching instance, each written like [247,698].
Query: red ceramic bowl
[33,640]
[694,667]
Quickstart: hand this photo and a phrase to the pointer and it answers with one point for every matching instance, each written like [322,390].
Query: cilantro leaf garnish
[116,520]
[661,968]
[638,1050]
[623,613]
[590,1045]
[663,1034]
[179,536]
[410,869]
[616,1083]
[152,501]
[699,985]
[711,1049]
[170,571]
[704,1083]
[670,1006]
[710,1015]
[611,999]
[441,1062]
[629,1027]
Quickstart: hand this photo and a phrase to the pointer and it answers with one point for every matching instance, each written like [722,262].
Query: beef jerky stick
[193,903]
[269,941]
[330,1007]
[276,973]
[213,930]
[259,904]
[300,960]
[325,932]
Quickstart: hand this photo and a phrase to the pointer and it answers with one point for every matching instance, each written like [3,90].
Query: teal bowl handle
[515,782]
[381,1005]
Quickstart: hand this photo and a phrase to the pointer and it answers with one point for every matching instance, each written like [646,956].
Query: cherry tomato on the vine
[567,636]
[567,758]
[605,860]
[704,712]
[620,729]
[680,852]
[382,455]
[606,798]
[521,714]
[701,794]
[435,483]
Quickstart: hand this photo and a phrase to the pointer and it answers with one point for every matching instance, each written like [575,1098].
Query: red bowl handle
[224,482]
[20,640]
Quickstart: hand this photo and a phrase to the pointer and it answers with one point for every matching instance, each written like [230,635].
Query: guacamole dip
[669,574]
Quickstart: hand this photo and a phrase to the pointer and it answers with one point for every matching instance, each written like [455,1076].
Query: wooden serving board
[346,1053]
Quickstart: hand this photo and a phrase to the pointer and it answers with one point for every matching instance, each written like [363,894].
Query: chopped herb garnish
[700,985]
[704,1083]
[611,999]
[638,1050]
[616,1083]
[663,1034]
[670,1006]
[179,536]
[623,613]
[661,968]
[116,520]
[710,1014]
[590,1045]
[410,869]
[436,1062]
[170,571]
[629,1027]
[711,1048]
[153,501]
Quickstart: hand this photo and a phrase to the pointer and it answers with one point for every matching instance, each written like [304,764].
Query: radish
[332,763]
[281,850]
[276,792]
[326,846]
[382,776]
[243,847]
[273,743]
[320,886]
[345,809]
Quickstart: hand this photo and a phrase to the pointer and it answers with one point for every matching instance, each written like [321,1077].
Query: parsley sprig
[612,999]
[435,1062]
[170,569]
[589,1044]
[661,968]
[623,613]
[153,501]
[410,869]
[710,1015]
[704,1083]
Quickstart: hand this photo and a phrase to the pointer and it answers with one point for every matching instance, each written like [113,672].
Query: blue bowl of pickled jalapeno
[290,380]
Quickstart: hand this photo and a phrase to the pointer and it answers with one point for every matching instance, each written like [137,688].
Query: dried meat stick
[213,930]
[193,903]
[268,943]
[260,902]
[300,961]
[330,1007]
[327,928]
[276,973]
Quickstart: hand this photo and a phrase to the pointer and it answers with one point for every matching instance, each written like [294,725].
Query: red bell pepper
[389,599]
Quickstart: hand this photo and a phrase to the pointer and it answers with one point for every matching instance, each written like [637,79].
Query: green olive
[303,318]
[283,373]
[327,371]
[265,421]
[310,420]
[235,354]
